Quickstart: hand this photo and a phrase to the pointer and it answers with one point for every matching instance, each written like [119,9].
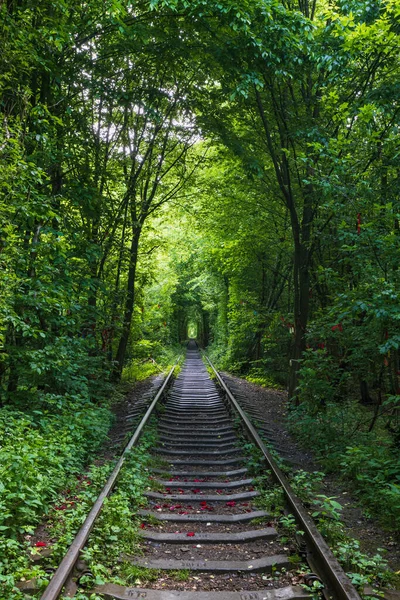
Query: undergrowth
[116,532]
[362,569]
[39,454]
[150,359]
[368,461]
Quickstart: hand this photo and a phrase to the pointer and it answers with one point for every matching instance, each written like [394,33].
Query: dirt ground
[121,428]
[273,406]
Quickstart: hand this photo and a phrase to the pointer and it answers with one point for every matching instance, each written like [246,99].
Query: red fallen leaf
[178,505]
[168,490]
[196,480]
[190,534]
[220,492]
[158,506]
[181,491]
[231,503]
[196,491]
[40,545]
[245,503]
[142,526]
[203,503]
[190,507]
[165,506]
[248,510]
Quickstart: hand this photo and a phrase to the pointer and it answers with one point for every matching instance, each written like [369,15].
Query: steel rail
[67,564]
[328,567]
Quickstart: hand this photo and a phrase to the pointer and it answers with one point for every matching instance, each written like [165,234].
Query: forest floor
[273,406]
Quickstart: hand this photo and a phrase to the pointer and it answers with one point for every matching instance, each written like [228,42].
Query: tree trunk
[301,313]
[364,393]
[129,305]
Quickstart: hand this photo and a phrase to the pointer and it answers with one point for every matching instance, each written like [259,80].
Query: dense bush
[38,454]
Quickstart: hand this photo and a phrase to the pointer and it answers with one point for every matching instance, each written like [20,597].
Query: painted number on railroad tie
[132,593]
[187,564]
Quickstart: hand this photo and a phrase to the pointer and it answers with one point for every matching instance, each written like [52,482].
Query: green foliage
[326,511]
[362,569]
[306,485]
[258,377]
[255,459]
[116,532]
[38,456]
[375,471]
[136,575]
[154,359]
[365,459]
[271,500]
[289,526]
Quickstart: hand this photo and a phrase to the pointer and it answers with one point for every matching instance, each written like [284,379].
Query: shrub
[38,453]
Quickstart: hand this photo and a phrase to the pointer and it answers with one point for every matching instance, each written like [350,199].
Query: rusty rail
[67,564]
[318,550]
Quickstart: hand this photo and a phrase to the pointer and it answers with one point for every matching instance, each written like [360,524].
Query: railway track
[202,522]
